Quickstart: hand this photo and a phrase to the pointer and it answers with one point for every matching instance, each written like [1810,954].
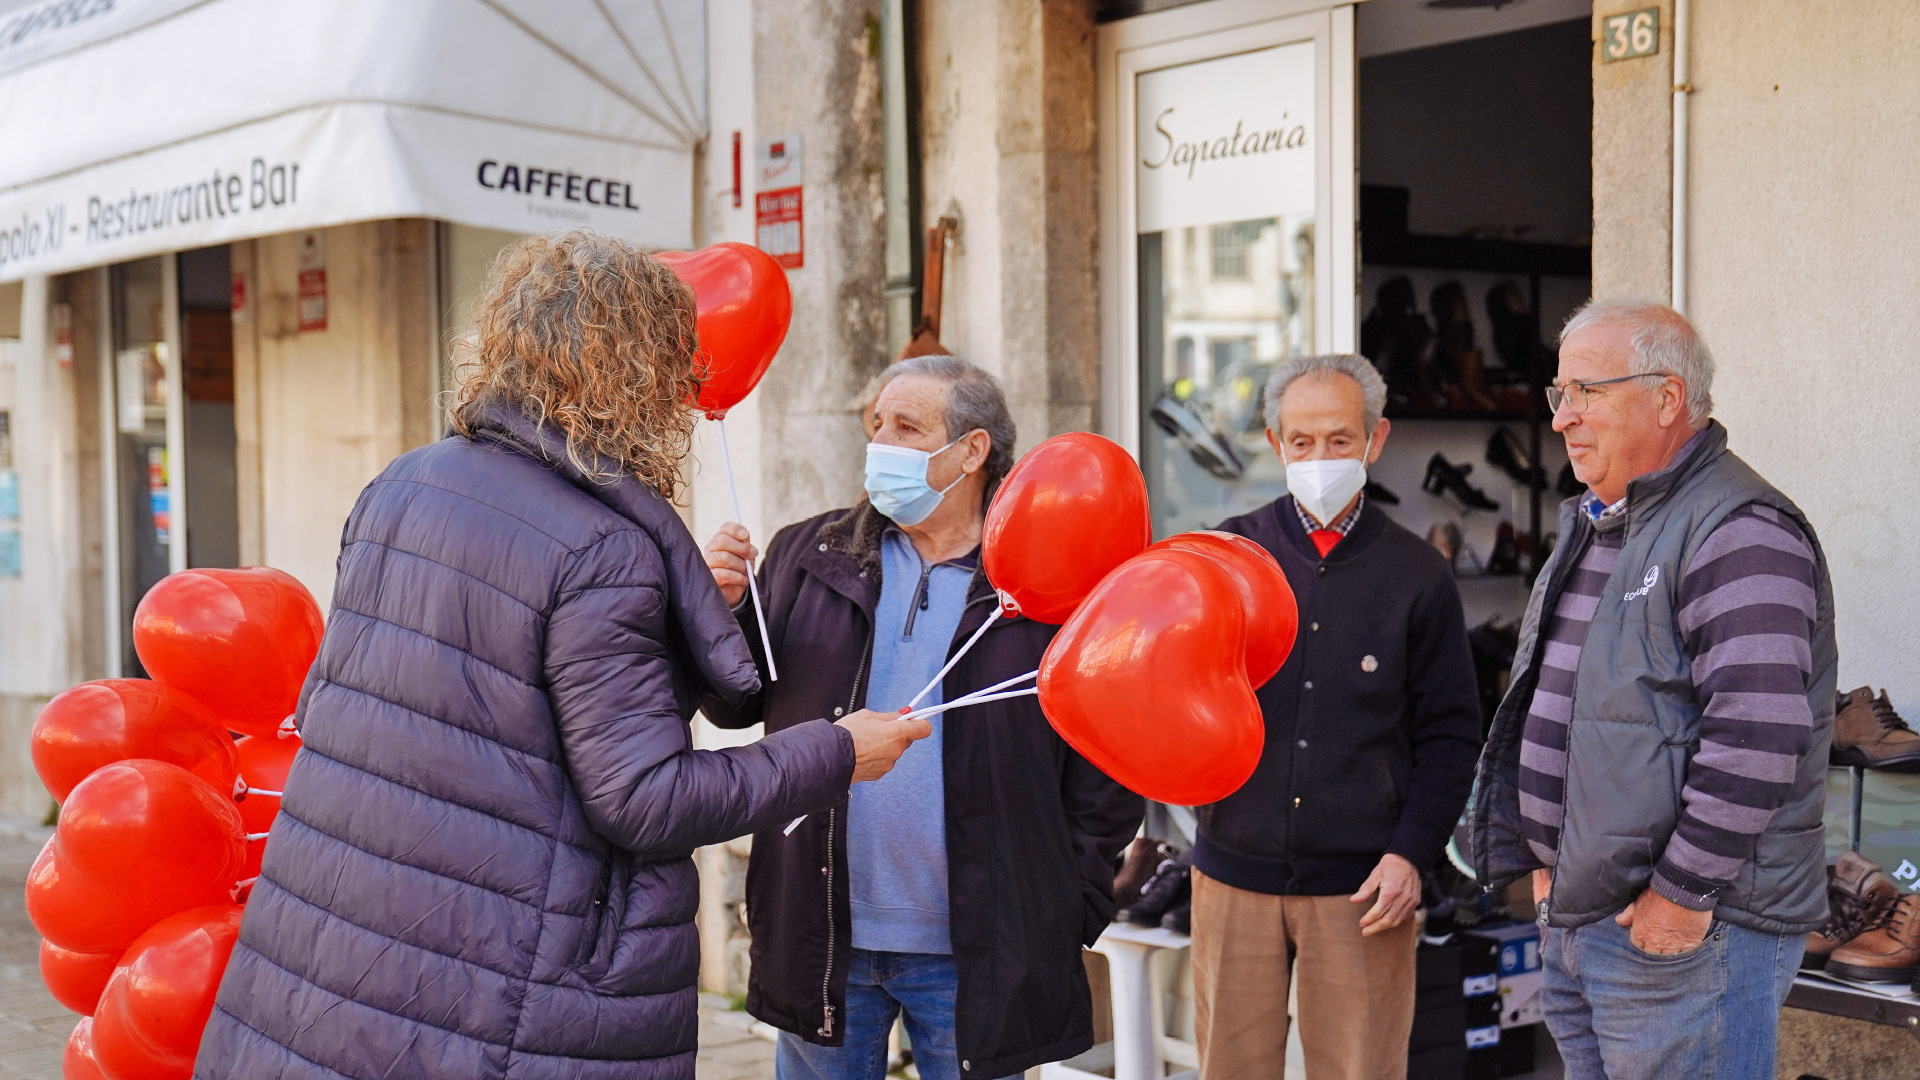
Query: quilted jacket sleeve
[612,672]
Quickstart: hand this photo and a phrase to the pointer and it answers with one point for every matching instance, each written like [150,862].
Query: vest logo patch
[1646,585]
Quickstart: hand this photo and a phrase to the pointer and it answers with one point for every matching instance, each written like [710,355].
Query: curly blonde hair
[590,334]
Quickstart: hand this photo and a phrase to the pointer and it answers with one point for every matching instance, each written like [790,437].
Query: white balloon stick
[753,584]
[977,635]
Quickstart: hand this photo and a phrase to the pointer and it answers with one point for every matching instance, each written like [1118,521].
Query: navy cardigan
[1373,725]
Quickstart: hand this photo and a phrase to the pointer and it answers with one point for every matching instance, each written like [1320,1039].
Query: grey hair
[1664,343]
[974,400]
[1373,389]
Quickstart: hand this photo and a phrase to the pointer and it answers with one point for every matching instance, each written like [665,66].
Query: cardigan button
[1303,744]
[1322,569]
[1315,627]
[1308,684]
[823,547]
[837,710]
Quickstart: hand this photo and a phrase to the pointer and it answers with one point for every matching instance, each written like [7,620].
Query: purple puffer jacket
[482,865]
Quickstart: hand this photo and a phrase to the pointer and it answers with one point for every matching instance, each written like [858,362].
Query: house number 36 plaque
[1630,34]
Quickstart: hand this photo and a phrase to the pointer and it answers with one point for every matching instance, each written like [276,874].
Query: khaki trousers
[1356,994]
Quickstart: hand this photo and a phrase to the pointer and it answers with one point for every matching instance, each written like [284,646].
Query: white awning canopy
[131,127]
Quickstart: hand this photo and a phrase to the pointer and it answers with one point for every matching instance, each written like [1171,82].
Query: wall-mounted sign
[782,165]
[313,282]
[1630,34]
[1230,139]
[778,228]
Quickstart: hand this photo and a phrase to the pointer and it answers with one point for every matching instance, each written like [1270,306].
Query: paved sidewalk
[33,1026]
[729,1048]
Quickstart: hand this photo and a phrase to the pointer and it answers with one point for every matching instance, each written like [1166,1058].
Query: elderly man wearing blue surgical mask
[1310,873]
[961,888]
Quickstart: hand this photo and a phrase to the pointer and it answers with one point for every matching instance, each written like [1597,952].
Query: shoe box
[1519,971]
[1456,1014]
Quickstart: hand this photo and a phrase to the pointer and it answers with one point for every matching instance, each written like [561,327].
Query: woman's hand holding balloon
[731,555]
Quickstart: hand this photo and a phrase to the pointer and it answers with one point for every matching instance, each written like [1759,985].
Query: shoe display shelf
[1440,365]
[1876,813]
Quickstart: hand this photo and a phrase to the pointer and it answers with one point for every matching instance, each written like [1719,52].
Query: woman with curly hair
[482,867]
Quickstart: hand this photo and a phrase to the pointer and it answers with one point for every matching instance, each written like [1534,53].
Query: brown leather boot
[1887,953]
[1867,732]
[1858,896]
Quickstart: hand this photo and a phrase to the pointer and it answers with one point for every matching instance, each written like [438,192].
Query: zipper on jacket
[921,600]
[833,820]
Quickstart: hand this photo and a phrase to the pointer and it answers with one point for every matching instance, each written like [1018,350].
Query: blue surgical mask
[897,482]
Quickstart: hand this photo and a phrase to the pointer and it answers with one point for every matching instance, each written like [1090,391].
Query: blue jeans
[879,986]
[1622,1014]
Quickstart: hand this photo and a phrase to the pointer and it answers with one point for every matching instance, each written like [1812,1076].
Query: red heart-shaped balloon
[75,979]
[240,641]
[98,723]
[1067,514]
[743,305]
[1147,680]
[264,764]
[78,1063]
[1273,615]
[137,841]
[155,1007]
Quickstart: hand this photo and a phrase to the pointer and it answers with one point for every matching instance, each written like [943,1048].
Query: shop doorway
[1475,226]
[169,399]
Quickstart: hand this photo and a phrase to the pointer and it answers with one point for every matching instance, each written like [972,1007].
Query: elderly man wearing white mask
[1372,730]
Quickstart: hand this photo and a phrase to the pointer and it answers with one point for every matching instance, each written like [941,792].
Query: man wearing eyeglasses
[1658,764]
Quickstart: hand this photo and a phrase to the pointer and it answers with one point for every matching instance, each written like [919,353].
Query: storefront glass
[140,386]
[1225,240]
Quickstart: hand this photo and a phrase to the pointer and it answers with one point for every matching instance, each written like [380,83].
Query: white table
[1141,1047]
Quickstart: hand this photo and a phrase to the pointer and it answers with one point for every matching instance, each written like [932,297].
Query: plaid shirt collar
[1343,526]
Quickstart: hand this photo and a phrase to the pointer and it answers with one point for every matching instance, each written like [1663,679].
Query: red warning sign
[778,226]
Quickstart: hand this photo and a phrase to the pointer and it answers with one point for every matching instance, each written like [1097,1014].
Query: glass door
[1227,237]
[144,385]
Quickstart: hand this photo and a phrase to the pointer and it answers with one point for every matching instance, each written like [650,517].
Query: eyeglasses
[1577,396]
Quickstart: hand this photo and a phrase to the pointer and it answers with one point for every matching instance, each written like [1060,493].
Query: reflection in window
[1220,306]
[1230,245]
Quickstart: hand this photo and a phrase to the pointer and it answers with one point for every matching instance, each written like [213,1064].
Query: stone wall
[1007,120]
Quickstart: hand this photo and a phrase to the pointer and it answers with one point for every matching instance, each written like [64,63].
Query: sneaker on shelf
[1143,856]
[1163,891]
[1888,952]
[1867,732]
[1858,896]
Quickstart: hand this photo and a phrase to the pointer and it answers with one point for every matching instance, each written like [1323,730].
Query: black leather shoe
[1168,886]
[1505,556]
[1381,493]
[1444,476]
[1505,453]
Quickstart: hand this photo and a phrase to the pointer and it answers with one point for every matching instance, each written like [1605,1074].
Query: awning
[131,127]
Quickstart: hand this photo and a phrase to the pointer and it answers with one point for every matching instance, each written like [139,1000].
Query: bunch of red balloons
[163,814]
[1151,677]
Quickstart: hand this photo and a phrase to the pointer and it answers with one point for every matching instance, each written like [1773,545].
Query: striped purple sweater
[1746,615]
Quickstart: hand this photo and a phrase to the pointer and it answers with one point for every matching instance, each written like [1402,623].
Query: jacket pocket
[604,915]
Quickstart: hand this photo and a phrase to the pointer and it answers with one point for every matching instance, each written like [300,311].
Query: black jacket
[1373,725]
[1032,829]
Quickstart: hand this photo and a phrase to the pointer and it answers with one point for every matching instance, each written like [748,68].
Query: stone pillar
[817,73]
[1008,149]
[1633,165]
